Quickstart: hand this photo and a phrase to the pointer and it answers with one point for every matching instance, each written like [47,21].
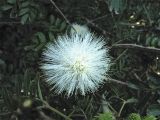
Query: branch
[130,85]
[137,47]
[96,26]
[54,4]
[46,105]
[117,81]
[99,18]
[44,116]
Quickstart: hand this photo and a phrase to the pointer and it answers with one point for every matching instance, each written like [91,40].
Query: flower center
[79,65]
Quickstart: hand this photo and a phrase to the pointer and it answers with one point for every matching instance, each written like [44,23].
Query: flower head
[75,64]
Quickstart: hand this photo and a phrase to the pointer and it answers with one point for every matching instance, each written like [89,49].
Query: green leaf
[51,36]
[105,116]
[26,82]
[148,41]
[154,42]
[131,85]
[25,4]
[39,91]
[2,64]
[58,22]
[154,80]
[7,98]
[158,44]
[154,110]
[41,37]
[134,116]
[40,46]
[18,84]
[116,5]
[33,14]
[23,11]
[52,19]
[131,100]
[63,26]
[6,7]
[11,1]
[149,117]
[24,18]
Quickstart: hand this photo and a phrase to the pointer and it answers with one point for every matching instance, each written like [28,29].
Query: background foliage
[131,29]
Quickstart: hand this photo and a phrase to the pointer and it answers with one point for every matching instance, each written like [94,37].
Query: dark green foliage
[134,116]
[26,26]
[149,118]
[153,41]
[52,28]
[154,109]
[28,11]
[116,6]
[105,116]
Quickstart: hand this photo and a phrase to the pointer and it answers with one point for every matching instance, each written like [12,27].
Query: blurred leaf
[23,11]
[11,1]
[52,19]
[2,65]
[131,100]
[63,26]
[25,4]
[6,7]
[41,37]
[24,18]
[51,36]
[154,110]
[39,91]
[18,84]
[154,80]
[134,86]
[105,116]
[134,116]
[28,11]
[26,82]
[7,96]
[116,5]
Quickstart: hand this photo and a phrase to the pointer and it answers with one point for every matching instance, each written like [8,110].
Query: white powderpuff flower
[79,29]
[76,64]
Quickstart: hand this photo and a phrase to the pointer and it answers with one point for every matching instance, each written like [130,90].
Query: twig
[137,77]
[44,116]
[120,111]
[46,105]
[98,18]
[95,25]
[117,81]
[83,114]
[137,47]
[123,53]
[54,4]
[130,85]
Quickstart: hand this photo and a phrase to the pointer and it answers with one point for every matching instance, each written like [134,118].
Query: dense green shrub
[131,29]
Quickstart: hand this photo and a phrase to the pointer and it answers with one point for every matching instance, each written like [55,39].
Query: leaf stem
[58,112]
[54,4]
[120,111]
[46,105]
